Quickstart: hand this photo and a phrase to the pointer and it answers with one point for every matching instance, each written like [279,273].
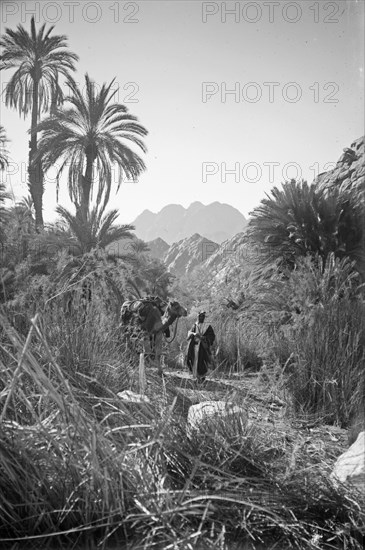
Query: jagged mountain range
[216,222]
[184,256]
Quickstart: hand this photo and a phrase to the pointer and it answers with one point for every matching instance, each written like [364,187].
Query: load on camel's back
[152,317]
[143,312]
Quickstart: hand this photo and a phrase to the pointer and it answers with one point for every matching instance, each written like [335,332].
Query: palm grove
[295,302]
[89,137]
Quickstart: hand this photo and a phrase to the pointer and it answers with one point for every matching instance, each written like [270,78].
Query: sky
[237,97]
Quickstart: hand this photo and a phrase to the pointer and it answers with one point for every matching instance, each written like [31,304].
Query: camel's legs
[142,374]
[146,343]
[158,353]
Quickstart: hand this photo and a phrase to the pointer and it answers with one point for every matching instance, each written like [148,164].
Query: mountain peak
[195,237]
[195,206]
[183,256]
[158,248]
[171,208]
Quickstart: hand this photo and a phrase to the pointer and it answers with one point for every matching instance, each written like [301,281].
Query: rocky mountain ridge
[182,257]
[216,222]
[158,248]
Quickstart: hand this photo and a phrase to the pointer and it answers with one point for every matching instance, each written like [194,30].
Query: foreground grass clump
[77,468]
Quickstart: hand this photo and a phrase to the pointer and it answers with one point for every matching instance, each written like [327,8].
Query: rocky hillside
[216,222]
[182,257]
[158,248]
[349,170]
[223,263]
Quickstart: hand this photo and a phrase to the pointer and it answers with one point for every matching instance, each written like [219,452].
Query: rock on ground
[131,397]
[350,466]
[208,414]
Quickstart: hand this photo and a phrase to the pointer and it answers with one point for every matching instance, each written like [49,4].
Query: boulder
[209,415]
[130,397]
[350,466]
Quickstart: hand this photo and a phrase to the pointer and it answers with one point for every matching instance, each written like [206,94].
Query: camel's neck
[167,320]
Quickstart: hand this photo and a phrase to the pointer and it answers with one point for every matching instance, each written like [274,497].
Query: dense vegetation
[80,467]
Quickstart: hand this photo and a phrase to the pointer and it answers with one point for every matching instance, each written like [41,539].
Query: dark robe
[205,353]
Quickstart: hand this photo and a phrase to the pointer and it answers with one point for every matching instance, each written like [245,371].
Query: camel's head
[174,309]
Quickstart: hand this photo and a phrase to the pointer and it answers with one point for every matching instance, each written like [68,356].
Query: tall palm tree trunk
[86,183]
[35,172]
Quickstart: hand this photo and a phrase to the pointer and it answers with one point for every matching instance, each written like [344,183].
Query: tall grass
[83,467]
[313,324]
[240,343]
[61,471]
[328,375]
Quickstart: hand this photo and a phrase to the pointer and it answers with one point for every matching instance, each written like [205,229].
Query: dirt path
[313,440]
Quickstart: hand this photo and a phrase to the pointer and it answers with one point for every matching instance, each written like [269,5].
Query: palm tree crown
[98,231]
[39,59]
[299,219]
[89,138]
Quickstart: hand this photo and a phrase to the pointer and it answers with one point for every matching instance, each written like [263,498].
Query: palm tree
[6,276]
[34,87]
[299,219]
[89,138]
[18,232]
[4,154]
[139,246]
[145,274]
[22,223]
[27,205]
[86,257]
[99,230]
[4,195]
[4,213]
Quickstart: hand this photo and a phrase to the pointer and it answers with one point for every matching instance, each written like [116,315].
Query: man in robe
[199,356]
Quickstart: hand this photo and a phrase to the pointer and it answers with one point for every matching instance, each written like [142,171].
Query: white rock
[206,414]
[350,466]
[131,397]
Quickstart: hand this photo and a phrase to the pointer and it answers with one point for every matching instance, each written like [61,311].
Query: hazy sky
[294,69]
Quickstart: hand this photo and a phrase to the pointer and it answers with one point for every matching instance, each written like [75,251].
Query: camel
[153,317]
